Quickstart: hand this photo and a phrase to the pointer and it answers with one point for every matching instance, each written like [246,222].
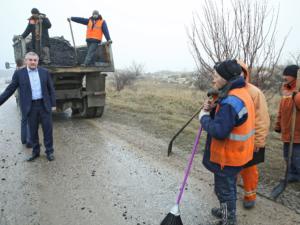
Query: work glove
[203,113]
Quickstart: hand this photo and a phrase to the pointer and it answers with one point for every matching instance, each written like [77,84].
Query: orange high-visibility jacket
[262,118]
[284,117]
[96,31]
[237,149]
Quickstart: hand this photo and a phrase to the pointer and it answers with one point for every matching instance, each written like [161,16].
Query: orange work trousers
[250,182]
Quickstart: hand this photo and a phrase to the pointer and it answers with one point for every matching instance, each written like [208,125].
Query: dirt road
[106,173]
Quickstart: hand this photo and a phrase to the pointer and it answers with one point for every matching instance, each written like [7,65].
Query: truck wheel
[99,111]
[75,111]
[86,111]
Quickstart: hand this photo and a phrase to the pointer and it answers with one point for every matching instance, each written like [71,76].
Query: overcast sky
[151,32]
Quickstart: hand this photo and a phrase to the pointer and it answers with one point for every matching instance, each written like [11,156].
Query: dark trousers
[226,191]
[25,135]
[91,50]
[38,115]
[294,170]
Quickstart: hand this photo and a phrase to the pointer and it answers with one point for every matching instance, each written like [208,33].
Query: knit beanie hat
[35,11]
[291,70]
[228,69]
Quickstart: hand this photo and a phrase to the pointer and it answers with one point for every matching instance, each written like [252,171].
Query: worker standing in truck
[38,25]
[96,27]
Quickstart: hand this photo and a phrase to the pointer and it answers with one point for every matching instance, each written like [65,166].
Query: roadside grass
[158,108]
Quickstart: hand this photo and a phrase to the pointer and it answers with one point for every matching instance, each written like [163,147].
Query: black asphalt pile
[62,53]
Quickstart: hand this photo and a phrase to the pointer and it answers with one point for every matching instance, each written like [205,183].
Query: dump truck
[80,88]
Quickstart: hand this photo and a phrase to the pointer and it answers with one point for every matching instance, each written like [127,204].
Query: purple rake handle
[187,171]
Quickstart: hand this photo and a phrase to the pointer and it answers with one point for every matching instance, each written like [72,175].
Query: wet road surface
[106,174]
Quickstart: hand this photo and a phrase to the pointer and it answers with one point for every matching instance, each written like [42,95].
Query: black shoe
[28,145]
[33,157]
[50,157]
[217,212]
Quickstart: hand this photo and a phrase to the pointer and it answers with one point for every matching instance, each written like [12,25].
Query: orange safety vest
[96,31]
[237,148]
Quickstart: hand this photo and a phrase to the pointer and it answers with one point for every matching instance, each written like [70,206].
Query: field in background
[161,108]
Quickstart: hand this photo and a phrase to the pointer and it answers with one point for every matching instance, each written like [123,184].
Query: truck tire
[87,112]
[75,111]
[99,111]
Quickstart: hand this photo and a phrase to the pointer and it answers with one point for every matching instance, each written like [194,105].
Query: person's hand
[69,19]
[53,109]
[203,113]
[208,105]
[42,16]
[109,42]
[17,37]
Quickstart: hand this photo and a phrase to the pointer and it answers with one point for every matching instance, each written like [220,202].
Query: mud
[106,173]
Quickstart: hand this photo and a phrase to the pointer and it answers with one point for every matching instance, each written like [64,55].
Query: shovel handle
[71,29]
[180,130]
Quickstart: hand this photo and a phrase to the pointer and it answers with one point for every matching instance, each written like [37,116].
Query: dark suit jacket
[21,80]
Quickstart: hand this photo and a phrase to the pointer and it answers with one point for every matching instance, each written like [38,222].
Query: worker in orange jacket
[96,28]
[230,135]
[290,96]
[250,173]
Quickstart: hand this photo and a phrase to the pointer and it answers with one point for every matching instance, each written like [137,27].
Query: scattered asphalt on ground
[106,173]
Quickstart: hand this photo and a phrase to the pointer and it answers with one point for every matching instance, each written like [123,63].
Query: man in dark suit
[37,100]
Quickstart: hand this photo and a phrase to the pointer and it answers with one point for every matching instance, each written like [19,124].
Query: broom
[173,217]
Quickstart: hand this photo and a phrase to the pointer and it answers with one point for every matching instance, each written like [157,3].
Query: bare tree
[295,59]
[127,76]
[246,30]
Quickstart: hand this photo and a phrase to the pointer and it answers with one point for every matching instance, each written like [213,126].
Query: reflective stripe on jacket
[94,31]
[237,148]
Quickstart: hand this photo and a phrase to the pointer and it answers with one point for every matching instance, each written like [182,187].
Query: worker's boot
[228,217]
[249,204]
[217,212]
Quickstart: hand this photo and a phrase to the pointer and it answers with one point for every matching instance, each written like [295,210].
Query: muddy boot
[217,212]
[249,204]
[228,217]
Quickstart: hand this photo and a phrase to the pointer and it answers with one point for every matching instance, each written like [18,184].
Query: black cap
[228,69]
[291,70]
[35,11]
[96,12]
